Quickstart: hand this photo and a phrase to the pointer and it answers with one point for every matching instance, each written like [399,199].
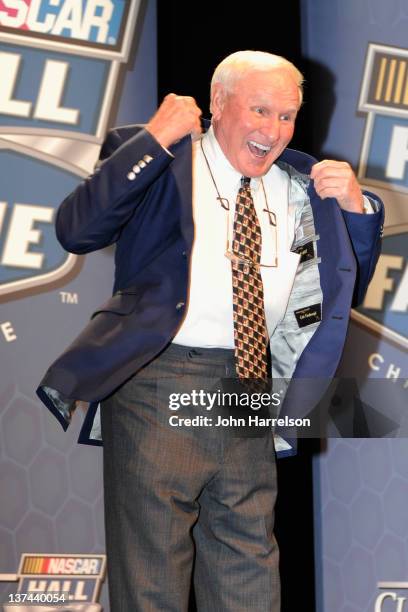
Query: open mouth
[258,149]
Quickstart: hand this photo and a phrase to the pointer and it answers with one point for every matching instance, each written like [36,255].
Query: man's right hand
[176,117]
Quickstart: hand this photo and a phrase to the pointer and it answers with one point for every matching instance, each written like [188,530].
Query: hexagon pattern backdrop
[52,122]
[361,525]
[361,486]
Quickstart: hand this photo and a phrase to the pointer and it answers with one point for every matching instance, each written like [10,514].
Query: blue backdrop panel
[51,489]
[361,486]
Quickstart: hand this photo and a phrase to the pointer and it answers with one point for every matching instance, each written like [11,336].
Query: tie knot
[245,181]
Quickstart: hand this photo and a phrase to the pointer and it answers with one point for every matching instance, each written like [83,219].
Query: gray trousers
[182,503]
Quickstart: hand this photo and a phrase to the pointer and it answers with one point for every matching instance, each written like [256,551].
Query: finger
[170,96]
[329,181]
[196,131]
[340,188]
[187,101]
[328,192]
[334,191]
[329,165]
[196,135]
[194,108]
[330,162]
[190,100]
[333,172]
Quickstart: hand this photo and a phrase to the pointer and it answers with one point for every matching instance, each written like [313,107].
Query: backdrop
[68,72]
[358,59]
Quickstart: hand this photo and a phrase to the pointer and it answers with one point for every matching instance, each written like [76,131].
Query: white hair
[237,65]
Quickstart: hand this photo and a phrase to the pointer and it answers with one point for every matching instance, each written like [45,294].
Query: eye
[287,117]
[259,110]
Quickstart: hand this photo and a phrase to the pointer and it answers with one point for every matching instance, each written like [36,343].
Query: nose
[271,128]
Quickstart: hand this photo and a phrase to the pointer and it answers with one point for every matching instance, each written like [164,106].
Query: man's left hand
[336,179]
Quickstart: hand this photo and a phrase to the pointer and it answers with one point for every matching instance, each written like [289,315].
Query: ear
[217,101]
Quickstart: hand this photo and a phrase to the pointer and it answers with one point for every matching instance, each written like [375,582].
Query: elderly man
[226,242]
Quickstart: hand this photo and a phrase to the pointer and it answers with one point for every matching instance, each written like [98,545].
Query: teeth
[260,146]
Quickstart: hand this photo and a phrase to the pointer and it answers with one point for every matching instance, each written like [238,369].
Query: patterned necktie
[250,331]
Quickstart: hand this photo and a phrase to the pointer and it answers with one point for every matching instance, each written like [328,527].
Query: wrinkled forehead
[273,82]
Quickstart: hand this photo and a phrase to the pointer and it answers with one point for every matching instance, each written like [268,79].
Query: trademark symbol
[68,298]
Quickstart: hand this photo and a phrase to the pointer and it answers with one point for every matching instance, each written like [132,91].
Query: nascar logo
[105,25]
[70,17]
[59,65]
[78,577]
[63,564]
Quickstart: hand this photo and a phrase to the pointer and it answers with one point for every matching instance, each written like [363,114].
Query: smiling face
[255,121]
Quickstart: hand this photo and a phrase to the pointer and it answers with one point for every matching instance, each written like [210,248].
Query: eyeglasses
[233,257]
[239,260]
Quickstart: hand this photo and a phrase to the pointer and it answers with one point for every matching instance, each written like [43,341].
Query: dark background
[191,42]
[192,39]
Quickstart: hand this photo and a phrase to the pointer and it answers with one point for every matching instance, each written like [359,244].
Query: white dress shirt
[209,318]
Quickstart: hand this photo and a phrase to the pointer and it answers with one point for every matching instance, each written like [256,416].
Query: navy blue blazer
[139,197]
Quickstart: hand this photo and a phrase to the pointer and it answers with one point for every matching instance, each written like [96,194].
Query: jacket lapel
[182,170]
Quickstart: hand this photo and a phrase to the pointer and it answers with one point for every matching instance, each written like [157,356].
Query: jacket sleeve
[92,216]
[365,233]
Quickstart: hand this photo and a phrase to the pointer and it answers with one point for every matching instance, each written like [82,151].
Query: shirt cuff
[167,151]
[160,145]
[370,206]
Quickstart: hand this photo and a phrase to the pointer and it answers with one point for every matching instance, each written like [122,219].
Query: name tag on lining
[310,314]
[306,251]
